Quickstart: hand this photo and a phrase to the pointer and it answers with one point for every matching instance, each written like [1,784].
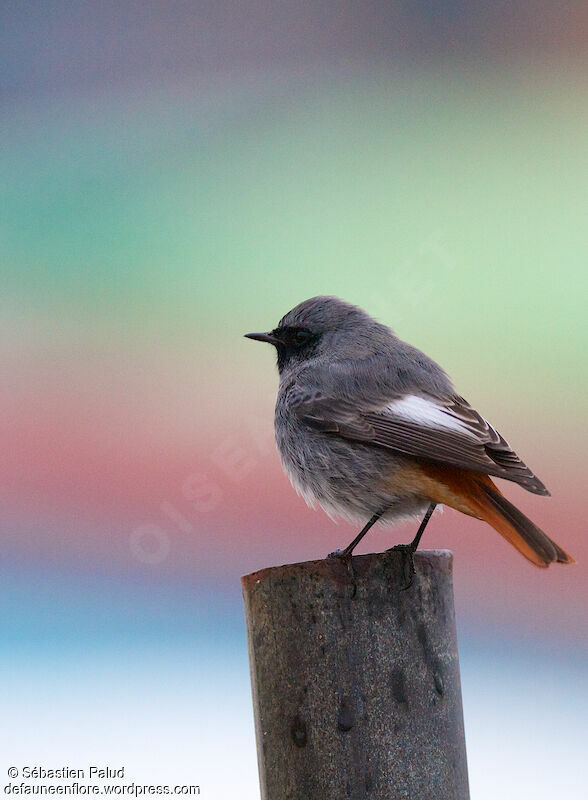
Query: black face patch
[294,342]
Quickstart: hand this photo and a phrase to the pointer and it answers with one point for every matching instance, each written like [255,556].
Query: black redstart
[371,428]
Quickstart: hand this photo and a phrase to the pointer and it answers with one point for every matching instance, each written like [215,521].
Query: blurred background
[175,174]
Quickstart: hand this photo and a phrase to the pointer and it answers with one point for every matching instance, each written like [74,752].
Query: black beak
[262,337]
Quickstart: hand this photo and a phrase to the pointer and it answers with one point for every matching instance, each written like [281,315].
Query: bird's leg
[346,554]
[409,549]
[352,545]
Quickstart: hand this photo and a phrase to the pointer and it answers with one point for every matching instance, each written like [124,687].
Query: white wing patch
[427,412]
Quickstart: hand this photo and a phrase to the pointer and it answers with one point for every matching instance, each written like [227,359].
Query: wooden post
[356,689]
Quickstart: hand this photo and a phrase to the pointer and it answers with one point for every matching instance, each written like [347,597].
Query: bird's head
[320,326]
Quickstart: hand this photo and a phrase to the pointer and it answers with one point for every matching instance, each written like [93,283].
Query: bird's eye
[302,336]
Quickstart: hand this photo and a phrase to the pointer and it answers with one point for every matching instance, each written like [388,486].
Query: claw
[407,551]
[347,559]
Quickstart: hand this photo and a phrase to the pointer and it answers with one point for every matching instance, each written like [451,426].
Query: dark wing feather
[475,446]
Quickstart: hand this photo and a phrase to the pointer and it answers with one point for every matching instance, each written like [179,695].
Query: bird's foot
[408,552]
[347,558]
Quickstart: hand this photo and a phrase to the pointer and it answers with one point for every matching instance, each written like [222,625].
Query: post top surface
[440,561]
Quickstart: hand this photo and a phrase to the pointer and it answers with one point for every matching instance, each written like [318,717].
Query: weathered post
[356,688]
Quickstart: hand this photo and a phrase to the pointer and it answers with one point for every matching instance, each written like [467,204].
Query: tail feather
[474,493]
[518,529]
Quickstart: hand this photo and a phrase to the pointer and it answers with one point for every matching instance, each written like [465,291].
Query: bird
[372,430]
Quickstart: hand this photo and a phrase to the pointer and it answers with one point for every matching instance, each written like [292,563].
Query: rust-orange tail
[477,495]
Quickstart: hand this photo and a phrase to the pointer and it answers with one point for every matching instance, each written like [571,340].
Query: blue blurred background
[175,174]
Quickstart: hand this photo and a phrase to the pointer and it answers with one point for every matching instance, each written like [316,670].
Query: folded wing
[442,430]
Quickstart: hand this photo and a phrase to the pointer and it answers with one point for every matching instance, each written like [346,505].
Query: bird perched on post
[371,429]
